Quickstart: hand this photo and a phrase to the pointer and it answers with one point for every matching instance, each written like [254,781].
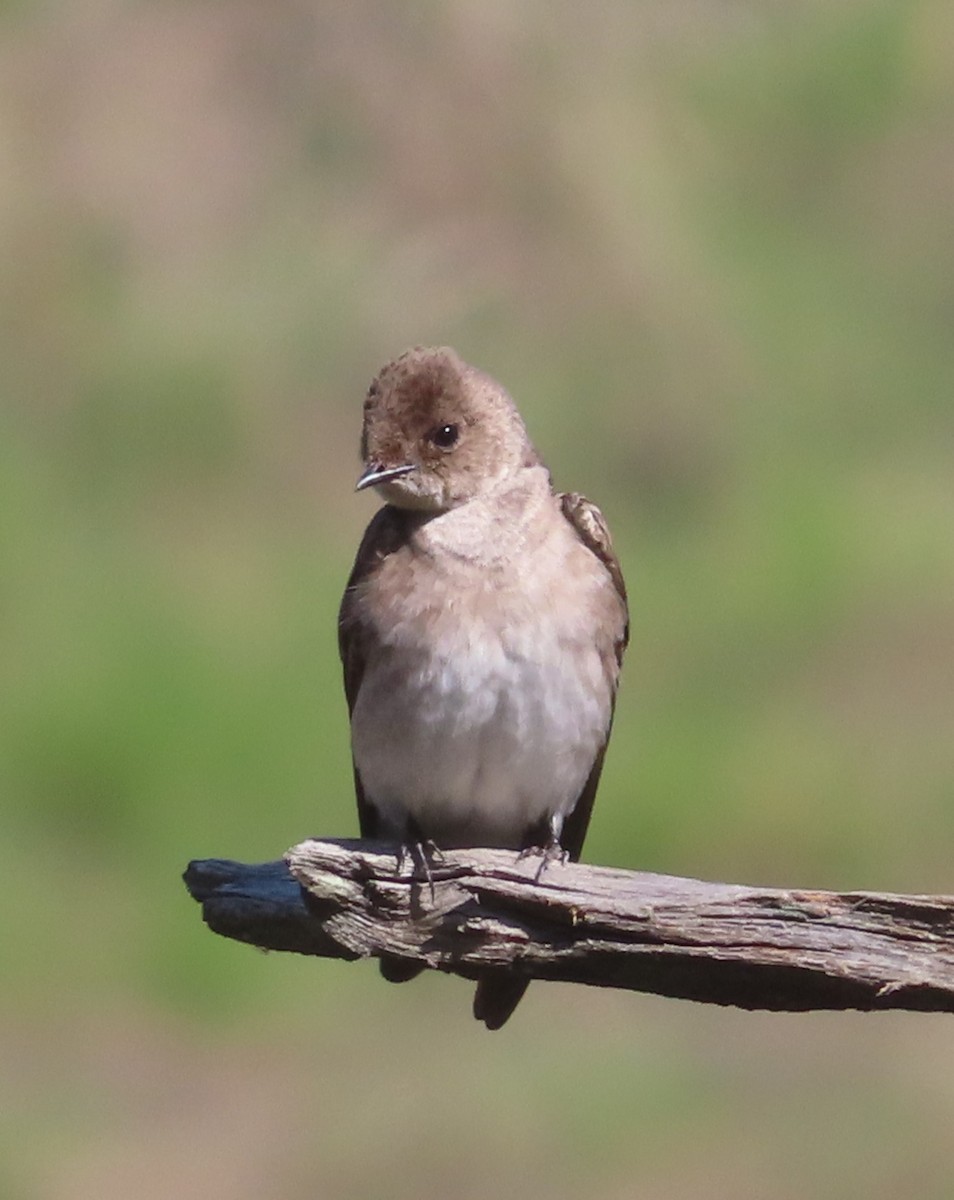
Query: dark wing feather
[386,533]
[591,528]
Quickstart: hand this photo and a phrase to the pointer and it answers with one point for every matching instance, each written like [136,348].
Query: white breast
[483,718]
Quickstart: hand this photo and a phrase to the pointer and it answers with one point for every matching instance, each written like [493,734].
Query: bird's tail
[399,970]
[496,997]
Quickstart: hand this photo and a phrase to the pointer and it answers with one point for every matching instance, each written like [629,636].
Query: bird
[481,633]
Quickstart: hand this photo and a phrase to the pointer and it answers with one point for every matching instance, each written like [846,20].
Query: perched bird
[481,632]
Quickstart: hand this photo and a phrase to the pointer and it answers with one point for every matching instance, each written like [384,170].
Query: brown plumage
[481,631]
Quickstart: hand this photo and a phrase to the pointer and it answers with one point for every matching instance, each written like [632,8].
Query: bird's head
[438,433]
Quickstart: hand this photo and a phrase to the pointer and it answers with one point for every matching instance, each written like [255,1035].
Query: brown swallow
[482,631]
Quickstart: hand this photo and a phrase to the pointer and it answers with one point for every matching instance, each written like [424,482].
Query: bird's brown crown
[438,432]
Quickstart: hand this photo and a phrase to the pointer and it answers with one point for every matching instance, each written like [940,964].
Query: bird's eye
[444,436]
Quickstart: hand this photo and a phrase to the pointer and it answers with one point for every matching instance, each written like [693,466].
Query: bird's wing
[591,528]
[385,534]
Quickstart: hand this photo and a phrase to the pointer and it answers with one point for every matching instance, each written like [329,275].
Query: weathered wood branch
[787,950]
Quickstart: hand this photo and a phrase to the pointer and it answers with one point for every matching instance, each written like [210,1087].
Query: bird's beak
[374,474]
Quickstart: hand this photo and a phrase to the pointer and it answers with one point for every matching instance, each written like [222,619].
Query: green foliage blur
[707,247]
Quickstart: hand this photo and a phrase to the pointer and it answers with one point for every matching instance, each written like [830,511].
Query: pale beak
[374,474]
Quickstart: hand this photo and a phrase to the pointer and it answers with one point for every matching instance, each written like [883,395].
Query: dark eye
[444,436]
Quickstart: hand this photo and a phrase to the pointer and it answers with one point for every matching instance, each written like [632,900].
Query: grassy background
[708,248]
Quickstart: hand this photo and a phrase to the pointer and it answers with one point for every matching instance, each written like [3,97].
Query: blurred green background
[708,247]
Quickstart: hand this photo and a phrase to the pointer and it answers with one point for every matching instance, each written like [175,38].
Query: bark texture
[754,947]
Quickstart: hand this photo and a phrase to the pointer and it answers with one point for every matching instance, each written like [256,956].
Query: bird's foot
[422,855]
[550,852]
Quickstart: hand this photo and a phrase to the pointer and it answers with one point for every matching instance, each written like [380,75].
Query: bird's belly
[478,740]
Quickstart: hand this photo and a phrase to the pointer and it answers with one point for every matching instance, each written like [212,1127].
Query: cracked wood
[754,947]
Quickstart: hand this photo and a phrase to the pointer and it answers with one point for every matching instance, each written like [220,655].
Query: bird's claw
[422,854]
[549,853]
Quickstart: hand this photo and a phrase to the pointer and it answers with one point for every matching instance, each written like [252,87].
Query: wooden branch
[720,943]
